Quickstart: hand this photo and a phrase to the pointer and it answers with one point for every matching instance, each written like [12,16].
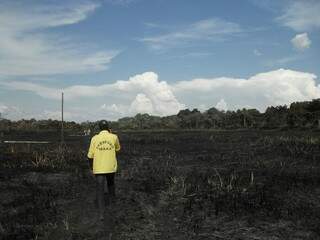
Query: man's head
[104,125]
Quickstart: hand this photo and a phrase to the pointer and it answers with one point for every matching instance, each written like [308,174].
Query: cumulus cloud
[301,15]
[222,105]
[141,104]
[159,92]
[301,41]
[142,89]
[145,93]
[273,88]
[212,29]
[28,48]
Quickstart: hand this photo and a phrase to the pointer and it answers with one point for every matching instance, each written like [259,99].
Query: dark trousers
[100,193]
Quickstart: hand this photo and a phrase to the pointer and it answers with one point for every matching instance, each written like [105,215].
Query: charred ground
[170,185]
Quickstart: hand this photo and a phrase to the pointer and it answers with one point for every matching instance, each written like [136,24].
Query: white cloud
[260,91]
[212,29]
[27,47]
[222,105]
[138,88]
[141,104]
[302,15]
[144,93]
[301,41]
[159,92]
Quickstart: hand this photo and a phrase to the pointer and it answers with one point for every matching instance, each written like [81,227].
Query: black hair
[104,125]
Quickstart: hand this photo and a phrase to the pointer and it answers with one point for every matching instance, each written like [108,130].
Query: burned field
[170,185]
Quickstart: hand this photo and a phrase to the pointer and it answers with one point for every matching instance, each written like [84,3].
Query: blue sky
[115,58]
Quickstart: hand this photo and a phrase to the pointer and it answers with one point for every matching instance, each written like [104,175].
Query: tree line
[302,115]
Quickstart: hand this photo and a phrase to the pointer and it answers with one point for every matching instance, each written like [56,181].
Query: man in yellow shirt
[103,162]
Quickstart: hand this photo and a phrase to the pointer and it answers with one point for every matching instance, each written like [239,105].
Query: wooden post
[62,127]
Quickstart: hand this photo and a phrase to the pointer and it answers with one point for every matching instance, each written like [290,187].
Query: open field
[170,185]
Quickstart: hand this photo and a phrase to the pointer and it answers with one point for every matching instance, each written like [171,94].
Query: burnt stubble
[170,185]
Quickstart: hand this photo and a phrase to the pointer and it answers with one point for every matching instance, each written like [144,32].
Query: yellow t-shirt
[103,149]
